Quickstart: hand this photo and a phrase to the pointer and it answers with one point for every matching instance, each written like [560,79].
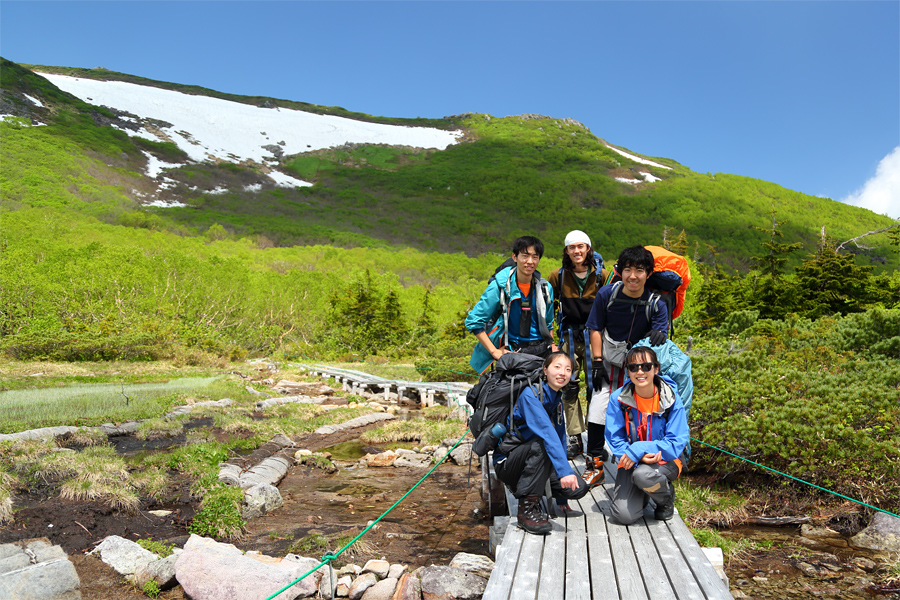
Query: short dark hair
[526,241]
[645,350]
[635,256]
[554,355]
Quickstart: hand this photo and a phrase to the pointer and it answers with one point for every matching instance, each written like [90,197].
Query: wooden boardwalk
[588,556]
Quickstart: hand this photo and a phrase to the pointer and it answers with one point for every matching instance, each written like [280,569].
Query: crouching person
[647,430]
[533,451]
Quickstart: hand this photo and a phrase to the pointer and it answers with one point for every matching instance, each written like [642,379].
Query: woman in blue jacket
[534,449]
[647,430]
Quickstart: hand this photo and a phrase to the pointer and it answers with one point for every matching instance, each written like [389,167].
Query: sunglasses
[635,367]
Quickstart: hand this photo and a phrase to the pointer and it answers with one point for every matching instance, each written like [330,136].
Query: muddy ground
[441,517]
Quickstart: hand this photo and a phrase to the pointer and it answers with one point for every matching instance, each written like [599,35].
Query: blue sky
[805,94]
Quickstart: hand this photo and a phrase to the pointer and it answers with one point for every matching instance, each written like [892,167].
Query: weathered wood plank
[680,575]
[578,581]
[525,585]
[603,573]
[628,573]
[551,585]
[652,570]
[705,574]
[505,566]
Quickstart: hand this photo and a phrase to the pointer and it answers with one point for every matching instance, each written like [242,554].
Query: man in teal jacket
[515,312]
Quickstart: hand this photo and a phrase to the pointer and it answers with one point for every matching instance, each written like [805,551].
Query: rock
[361,584]
[383,590]
[209,570]
[864,563]
[450,583]
[350,569]
[384,459]
[462,454]
[396,571]
[418,461]
[161,571]
[440,453]
[37,570]
[379,567]
[473,563]
[123,555]
[882,534]
[408,588]
[159,513]
[341,584]
[261,499]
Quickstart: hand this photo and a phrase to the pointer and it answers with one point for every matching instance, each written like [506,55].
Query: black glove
[598,374]
[657,337]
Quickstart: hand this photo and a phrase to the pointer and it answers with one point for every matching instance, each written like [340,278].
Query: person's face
[527,261]
[643,376]
[634,279]
[558,373]
[578,253]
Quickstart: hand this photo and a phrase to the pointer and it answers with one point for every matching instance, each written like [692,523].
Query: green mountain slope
[513,175]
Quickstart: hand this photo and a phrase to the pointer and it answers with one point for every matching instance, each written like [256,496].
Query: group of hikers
[588,325]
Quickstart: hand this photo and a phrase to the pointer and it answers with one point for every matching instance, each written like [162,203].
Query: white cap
[577,237]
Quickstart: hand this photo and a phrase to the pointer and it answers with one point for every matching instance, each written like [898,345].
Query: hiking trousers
[575,417]
[636,486]
[527,468]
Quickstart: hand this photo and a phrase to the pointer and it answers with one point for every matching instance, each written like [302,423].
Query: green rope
[796,479]
[328,557]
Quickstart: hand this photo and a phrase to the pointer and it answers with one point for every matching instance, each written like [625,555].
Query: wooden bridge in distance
[588,556]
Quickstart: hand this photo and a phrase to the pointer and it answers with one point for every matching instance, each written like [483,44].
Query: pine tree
[774,295]
[829,282]
[681,244]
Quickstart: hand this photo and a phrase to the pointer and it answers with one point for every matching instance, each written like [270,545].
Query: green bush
[800,399]
[220,514]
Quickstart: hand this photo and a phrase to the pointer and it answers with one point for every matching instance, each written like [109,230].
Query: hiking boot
[593,471]
[531,518]
[574,447]
[666,510]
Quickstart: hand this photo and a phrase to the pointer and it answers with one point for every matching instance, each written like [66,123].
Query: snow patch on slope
[211,128]
[637,159]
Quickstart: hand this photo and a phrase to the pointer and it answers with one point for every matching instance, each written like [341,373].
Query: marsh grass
[417,430]
[7,482]
[160,428]
[733,550]
[88,437]
[92,404]
[95,473]
[700,505]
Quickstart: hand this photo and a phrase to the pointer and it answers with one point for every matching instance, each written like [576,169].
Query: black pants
[527,468]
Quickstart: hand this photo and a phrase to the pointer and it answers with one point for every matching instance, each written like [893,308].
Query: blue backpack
[676,365]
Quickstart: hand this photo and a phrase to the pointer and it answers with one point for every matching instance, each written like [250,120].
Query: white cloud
[881,194]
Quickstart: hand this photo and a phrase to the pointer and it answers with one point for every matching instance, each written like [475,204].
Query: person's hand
[657,337]
[554,348]
[625,462]
[569,482]
[652,459]
[599,375]
[498,352]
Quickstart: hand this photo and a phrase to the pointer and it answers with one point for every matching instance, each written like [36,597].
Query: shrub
[220,514]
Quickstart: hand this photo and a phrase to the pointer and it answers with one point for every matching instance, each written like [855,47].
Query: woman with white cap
[574,287]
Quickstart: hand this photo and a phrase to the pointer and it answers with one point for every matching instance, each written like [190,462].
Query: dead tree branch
[836,250]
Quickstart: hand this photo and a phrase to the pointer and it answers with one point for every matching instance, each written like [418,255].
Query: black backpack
[495,395]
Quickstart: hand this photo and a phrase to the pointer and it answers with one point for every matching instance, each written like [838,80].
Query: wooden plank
[709,580]
[578,581]
[603,574]
[501,579]
[628,573]
[652,570]
[680,575]
[551,585]
[525,584]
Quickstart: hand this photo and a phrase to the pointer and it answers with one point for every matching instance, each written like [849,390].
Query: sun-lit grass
[159,428]
[425,432]
[731,549]
[91,404]
[699,505]
[7,481]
